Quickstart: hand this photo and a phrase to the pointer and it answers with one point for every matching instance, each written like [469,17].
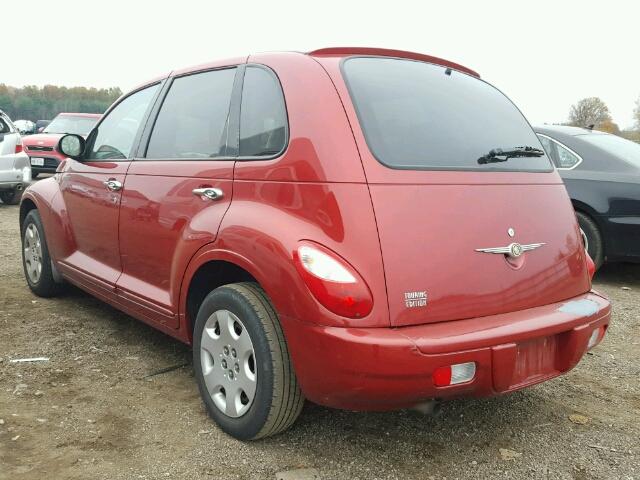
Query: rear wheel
[11,197]
[36,261]
[591,238]
[242,363]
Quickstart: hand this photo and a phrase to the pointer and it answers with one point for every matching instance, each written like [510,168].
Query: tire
[277,399]
[44,285]
[11,197]
[592,238]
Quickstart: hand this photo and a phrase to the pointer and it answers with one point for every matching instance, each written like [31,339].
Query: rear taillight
[454,374]
[19,146]
[333,282]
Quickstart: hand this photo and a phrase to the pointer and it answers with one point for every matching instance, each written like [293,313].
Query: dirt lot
[89,412]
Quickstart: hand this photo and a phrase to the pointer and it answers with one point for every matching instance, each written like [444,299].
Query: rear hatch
[444,203]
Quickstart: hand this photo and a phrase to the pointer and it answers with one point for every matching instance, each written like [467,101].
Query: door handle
[113,185]
[208,193]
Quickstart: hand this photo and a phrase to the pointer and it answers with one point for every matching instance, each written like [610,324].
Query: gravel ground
[89,412]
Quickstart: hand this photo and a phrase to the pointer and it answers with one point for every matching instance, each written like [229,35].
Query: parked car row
[41,147]
[397,238]
[27,127]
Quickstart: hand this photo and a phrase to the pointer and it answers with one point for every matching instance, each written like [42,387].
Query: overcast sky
[545,55]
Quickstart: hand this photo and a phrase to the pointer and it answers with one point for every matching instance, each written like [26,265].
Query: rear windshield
[624,149]
[417,115]
[79,125]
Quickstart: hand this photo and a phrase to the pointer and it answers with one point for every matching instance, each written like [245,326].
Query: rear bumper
[51,162]
[18,175]
[388,368]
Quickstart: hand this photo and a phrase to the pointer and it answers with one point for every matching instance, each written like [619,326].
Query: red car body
[42,145]
[150,250]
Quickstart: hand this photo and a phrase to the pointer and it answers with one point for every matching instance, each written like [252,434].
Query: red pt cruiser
[367,229]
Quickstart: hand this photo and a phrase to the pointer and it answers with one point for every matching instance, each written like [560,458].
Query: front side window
[76,124]
[417,115]
[117,132]
[194,118]
[263,116]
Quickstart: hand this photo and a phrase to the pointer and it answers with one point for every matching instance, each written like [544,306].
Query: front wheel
[38,269]
[242,363]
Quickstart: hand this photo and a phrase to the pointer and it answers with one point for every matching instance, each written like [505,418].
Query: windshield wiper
[502,155]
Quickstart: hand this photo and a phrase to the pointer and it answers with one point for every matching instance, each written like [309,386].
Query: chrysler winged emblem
[513,250]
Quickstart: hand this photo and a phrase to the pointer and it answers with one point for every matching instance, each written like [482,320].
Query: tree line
[44,103]
[593,113]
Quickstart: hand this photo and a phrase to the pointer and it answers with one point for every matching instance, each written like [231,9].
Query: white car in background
[25,127]
[15,168]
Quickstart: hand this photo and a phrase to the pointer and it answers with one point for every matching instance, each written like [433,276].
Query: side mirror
[72,146]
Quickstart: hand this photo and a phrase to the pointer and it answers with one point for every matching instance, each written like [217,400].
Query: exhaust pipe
[19,187]
[430,407]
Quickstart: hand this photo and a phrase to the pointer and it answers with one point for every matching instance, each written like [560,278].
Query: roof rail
[385,52]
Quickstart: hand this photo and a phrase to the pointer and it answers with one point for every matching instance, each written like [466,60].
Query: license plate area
[535,360]
[37,161]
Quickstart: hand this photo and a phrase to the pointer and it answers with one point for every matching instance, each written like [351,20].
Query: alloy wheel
[32,253]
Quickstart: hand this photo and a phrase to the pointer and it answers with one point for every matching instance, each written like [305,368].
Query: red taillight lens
[333,282]
[442,376]
[19,146]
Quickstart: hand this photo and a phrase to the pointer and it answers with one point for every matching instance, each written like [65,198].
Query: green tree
[35,103]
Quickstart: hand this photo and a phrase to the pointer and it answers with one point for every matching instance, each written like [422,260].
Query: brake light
[454,374]
[19,146]
[333,282]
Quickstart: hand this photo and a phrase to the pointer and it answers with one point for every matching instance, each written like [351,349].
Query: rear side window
[263,116]
[194,118]
[561,156]
[417,115]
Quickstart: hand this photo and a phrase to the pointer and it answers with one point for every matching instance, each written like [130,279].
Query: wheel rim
[32,253]
[585,240]
[228,363]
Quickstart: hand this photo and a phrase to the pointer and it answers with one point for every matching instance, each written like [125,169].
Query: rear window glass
[417,115]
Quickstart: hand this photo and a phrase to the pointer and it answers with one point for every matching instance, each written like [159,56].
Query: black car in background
[602,175]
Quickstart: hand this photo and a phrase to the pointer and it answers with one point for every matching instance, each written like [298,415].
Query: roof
[567,130]
[385,52]
[88,115]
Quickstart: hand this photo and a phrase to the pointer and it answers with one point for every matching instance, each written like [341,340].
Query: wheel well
[25,207]
[207,278]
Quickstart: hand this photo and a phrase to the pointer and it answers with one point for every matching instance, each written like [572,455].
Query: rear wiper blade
[502,155]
